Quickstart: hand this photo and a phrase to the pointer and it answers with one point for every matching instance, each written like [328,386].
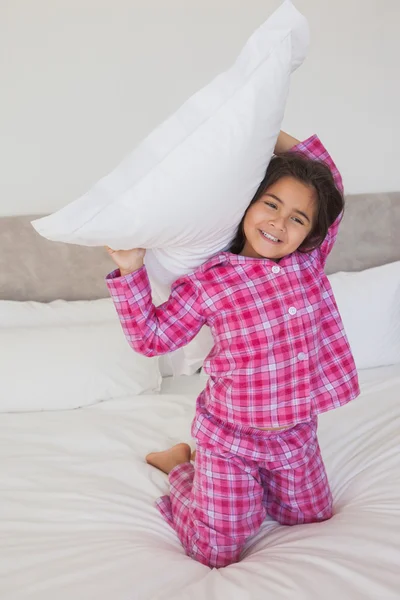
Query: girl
[280,358]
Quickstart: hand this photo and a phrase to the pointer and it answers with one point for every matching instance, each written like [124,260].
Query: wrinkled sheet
[77,515]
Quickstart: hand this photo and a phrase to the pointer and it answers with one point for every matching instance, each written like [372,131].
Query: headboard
[32,268]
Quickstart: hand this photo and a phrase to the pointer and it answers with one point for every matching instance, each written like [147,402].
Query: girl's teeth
[270,237]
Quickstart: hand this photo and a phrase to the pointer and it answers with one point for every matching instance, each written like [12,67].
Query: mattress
[77,515]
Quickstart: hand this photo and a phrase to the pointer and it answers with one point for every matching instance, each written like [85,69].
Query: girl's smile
[270,238]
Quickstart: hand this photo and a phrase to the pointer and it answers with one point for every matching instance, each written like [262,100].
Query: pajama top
[280,353]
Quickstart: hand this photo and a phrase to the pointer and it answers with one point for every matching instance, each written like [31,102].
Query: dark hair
[316,174]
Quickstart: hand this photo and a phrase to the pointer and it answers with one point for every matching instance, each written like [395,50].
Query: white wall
[83,81]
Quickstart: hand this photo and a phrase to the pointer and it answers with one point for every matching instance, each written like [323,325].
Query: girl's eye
[271,204]
[274,206]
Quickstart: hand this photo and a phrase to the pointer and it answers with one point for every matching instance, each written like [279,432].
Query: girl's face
[279,222]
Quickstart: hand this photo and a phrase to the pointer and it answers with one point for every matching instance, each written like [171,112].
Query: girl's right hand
[127,260]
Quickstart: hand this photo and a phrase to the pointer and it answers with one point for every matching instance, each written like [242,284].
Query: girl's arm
[153,330]
[285,142]
[314,149]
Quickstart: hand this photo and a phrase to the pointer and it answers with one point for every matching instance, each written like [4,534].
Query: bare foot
[193,456]
[168,459]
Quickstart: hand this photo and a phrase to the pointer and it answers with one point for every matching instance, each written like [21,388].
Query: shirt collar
[243,260]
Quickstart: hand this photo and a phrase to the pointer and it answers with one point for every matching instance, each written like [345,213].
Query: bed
[77,515]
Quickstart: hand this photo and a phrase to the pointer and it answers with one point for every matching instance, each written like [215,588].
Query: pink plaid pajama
[280,352]
[240,475]
[280,357]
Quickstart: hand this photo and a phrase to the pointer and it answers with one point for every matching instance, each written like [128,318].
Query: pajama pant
[240,475]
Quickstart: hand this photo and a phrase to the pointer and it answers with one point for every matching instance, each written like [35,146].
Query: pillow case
[187,360]
[65,355]
[369,304]
[59,312]
[184,189]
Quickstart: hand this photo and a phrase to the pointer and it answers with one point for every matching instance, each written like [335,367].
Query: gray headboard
[32,268]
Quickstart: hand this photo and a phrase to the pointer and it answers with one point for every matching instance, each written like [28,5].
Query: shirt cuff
[314,149]
[128,285]
[311,142]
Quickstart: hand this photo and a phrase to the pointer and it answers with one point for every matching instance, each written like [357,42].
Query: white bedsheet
[78,520]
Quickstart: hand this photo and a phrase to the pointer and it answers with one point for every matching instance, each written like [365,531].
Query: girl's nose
[279,223]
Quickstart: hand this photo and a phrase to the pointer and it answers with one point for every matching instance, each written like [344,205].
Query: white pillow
[187,360]
[369,304]
[65,355]
[184,189]
[59,312]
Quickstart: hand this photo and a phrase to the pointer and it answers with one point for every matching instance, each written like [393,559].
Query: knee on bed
[288,517]
[214,553]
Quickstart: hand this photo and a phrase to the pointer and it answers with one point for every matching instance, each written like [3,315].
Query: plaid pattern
[281,355]
[313,148]
[241,474]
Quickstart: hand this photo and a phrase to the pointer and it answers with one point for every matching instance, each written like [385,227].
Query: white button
[276,269]
[301,356]
[292,310]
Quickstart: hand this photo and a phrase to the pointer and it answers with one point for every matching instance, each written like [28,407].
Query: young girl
[280,358]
